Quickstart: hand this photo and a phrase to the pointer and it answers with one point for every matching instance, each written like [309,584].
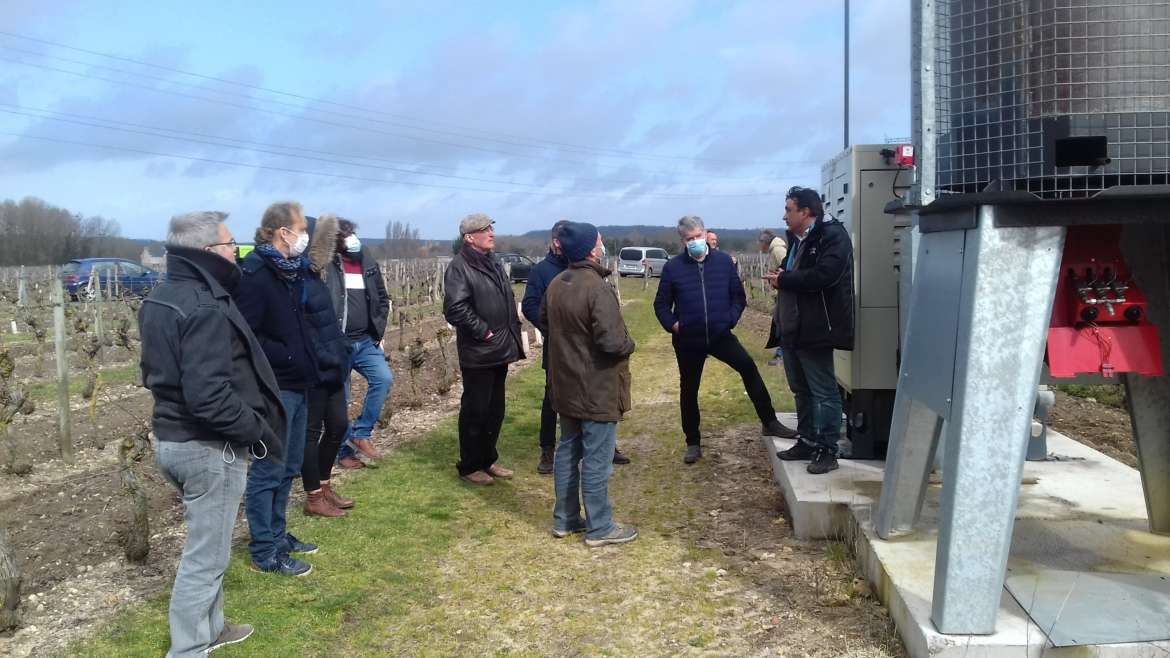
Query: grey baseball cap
[473,223]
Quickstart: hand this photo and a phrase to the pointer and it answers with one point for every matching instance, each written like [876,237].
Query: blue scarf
[290,268]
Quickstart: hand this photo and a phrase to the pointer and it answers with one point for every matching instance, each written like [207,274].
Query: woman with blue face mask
[699,301]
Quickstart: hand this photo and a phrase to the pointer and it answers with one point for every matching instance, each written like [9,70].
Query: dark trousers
[328,424]
[818,400]
[481,413]
[690,371]
[548,421]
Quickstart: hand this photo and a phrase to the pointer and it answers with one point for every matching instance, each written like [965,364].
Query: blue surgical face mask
[697,248]
[353,244]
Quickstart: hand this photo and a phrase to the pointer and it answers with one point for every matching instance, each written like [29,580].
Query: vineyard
[80,488]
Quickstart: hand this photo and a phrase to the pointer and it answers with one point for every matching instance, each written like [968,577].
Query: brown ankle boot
[317,505]
[336,500]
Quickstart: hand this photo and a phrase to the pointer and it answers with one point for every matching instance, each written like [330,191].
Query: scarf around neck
[289,268]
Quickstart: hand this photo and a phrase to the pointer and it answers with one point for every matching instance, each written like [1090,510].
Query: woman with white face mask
[272,296]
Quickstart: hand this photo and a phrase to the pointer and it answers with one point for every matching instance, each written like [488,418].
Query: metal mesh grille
[1013,76]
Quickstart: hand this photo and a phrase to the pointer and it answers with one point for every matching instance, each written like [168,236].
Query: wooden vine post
[10,582]
[64,422]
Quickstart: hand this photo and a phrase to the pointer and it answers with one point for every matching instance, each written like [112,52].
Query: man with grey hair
[215,402]
[700,299]
[478,301]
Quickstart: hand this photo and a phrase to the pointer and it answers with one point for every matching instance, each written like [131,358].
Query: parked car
[642,261]
[521,266]
[130,278]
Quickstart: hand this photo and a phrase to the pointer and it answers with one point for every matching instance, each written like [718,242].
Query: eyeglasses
[485,229]
[229,243]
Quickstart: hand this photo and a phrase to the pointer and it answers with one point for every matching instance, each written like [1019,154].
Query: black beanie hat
[577,240]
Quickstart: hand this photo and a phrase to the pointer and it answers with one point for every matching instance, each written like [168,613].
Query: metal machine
[856,186]
[1042,235]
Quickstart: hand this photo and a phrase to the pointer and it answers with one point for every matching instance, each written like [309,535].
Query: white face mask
[353,244]
[300,246]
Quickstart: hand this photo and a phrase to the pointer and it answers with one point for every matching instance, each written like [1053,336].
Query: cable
[562,145]
[298,117]
[158,130]
[372,180]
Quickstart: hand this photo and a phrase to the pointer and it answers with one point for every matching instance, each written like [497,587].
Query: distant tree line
[33,232]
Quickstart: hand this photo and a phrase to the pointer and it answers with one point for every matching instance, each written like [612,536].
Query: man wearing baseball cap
[479,303]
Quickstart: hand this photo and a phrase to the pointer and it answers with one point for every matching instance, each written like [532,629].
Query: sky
[613,112]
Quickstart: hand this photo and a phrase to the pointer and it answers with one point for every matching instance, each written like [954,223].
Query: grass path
[426,565]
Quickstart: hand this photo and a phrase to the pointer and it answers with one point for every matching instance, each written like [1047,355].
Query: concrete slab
[1082,512]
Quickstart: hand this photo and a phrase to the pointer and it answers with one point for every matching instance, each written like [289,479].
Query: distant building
[154,257]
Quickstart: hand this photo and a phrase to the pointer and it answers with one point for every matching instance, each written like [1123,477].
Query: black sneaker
[545,467]
[822,462]
[297,546]
[779,430]
[619,458]
[798,452]
[284,566]
[231,634]
[694,454]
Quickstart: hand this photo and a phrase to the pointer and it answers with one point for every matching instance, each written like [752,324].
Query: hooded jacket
[326,339]
[539,279]
[205,368]
[478,299]
[815,306]
[705,298]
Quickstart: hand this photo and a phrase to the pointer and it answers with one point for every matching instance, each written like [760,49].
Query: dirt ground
[65,521]
[1105,428]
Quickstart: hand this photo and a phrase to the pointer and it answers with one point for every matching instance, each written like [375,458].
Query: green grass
[113,376]
[1110,395]
[426,565]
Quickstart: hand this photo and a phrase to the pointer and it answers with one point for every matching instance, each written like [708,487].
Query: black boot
[545,467]
[822,462]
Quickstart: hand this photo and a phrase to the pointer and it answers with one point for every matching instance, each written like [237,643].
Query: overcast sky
[615,112]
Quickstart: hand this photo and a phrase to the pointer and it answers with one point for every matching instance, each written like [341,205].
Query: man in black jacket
[538,281]
[479,303]
[814,316]
[215,401]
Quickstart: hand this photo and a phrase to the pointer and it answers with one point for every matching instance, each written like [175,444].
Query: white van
[640,261]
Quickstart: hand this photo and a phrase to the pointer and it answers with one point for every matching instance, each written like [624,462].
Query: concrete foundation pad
[1081,511]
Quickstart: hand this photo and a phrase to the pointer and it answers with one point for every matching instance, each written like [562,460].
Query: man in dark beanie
[479,303]
[538,280]
[589,381]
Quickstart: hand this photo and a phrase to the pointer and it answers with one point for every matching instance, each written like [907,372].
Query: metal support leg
[914,434]
[1145,248]
[1009,280]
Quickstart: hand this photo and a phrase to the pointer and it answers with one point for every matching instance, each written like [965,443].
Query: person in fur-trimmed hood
[328,419]
[359,295]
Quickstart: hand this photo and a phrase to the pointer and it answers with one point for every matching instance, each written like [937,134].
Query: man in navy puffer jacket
[699,300]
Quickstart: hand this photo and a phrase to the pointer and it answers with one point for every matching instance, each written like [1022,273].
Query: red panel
[1114,349]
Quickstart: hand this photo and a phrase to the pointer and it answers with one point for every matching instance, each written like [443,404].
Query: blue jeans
[270,482]
[581,470]
[370,362]
[211,487]
[818,401]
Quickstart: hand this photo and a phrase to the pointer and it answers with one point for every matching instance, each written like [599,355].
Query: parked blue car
[130,278]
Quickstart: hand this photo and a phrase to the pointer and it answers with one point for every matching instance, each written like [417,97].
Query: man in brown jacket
[589,382]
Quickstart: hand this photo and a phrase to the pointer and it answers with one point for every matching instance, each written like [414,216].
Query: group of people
[249,364]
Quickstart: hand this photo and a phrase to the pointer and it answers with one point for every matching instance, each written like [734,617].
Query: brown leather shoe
[479,477]
[350,462]
[334,499]
[316,504]
[367,448]
[497,471]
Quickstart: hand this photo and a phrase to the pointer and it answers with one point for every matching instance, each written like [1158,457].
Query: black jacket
[377,299]
[539,279]
[326,340]
[706,299]
[476,300]
[201,361]
[275,309]
[815,306]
